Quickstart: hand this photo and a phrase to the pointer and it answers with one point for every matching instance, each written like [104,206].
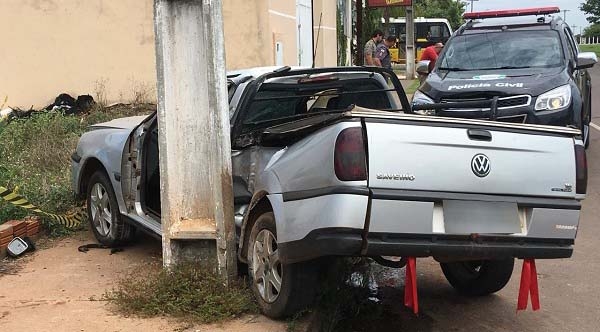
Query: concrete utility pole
[472,1]
[348,31]
[565,14]
[193,137]
[410,43]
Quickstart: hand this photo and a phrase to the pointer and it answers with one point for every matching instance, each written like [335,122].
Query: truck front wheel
[281,290]
[477,278]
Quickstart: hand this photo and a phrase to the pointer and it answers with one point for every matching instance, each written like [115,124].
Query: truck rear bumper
[350,242]
[420,224]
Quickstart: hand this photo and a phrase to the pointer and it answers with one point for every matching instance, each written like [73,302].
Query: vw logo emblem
[480,165]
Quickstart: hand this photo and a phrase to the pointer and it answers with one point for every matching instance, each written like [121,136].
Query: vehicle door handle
[479,135]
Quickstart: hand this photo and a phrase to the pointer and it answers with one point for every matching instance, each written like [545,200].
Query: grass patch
[189,292]
[35,158]
[412,87]
[590,48]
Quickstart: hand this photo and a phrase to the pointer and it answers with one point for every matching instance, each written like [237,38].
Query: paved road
[569,288]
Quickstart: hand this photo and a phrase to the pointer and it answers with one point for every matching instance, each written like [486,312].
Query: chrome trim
[147,222]
[529,99]
[524,116]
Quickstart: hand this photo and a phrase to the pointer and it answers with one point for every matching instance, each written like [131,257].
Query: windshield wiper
[453,69]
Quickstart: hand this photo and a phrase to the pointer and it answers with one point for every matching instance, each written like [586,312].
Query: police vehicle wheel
[103,212]
[477,278]
[281,290]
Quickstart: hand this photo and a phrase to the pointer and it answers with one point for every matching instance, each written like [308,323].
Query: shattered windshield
[503,50]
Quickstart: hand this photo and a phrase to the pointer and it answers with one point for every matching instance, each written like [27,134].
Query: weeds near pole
[190,292]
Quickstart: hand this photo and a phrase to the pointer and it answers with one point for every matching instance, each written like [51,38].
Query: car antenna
[317,43]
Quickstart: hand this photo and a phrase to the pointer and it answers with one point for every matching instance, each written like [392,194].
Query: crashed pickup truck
[331,162]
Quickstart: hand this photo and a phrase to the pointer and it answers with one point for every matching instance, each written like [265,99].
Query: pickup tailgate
[468,159]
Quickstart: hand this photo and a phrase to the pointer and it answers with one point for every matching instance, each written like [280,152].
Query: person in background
[383,52]
[371,47]
[431,53]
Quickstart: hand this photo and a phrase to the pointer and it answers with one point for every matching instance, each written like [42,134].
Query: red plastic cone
[529,285]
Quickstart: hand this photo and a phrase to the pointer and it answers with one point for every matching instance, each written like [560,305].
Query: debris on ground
[20,246]
[69,105]
[5,114]
[26,228]
[63,103]
[86,247]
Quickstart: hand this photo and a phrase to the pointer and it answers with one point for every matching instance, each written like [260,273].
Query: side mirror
[423,67]
[586,60]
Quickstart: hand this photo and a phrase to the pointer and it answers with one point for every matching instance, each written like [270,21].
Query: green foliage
[190,292]
[371,22]
[412,87]
[592,30]
[341,38]
[35,158]
[449,9]
[592,9]
[590,48]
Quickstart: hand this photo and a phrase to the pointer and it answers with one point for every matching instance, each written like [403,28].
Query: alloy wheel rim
[266,267]
[100,208]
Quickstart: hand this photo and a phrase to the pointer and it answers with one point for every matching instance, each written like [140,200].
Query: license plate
[468,217]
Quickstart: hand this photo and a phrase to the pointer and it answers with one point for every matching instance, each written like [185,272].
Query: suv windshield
[502,50]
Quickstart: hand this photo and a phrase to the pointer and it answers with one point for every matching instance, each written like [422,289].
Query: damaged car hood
[122,123]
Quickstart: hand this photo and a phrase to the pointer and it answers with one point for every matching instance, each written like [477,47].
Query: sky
[574,17]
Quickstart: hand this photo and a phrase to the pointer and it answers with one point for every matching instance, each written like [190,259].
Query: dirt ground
[58,288]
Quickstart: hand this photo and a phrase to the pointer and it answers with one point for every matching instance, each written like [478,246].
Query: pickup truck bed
[425,196]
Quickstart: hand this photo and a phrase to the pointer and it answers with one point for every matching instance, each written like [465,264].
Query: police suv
[521,66]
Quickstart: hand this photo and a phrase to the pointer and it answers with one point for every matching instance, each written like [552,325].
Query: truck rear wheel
[281,290]
[477,278]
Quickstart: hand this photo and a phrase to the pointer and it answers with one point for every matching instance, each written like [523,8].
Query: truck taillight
[581,167]
[349,157]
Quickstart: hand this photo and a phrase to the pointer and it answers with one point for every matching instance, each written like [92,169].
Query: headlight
[554,99]
[419,98]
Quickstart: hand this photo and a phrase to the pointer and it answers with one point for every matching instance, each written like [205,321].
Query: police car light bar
[512,12]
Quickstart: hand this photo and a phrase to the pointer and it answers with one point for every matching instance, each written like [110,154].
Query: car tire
[103,212]
[297,282]
[478,278]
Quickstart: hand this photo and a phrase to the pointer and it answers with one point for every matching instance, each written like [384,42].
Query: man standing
[431,54]
[371,47]
[383,52]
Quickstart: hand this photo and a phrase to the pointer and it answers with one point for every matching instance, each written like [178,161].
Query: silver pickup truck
[331,162]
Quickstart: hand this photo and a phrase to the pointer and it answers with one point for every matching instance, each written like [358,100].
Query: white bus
[428,31]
